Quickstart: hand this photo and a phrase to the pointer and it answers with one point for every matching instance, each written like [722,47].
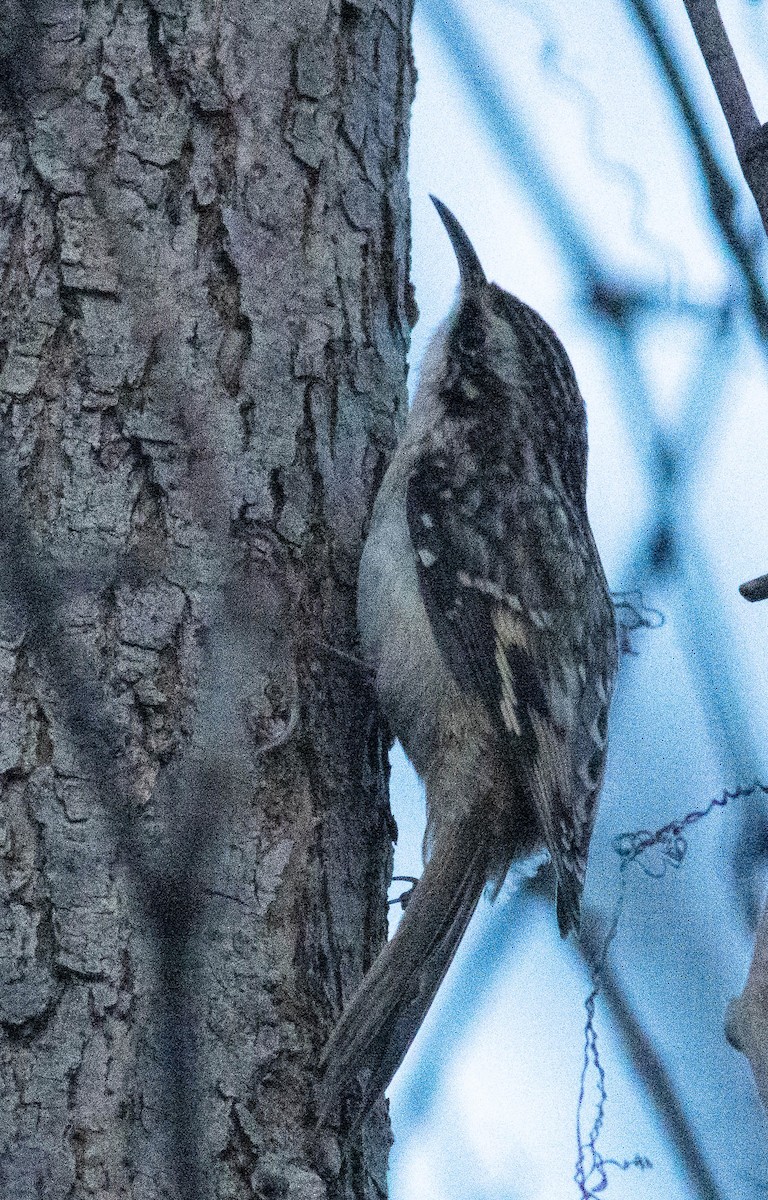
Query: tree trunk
[205,311]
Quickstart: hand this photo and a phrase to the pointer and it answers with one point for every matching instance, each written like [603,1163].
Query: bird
[486,620]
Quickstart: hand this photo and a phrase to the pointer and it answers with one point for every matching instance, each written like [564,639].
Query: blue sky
[550,133]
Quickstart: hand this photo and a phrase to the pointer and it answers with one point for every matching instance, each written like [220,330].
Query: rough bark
[203,325]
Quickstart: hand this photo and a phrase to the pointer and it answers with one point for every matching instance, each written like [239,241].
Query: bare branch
[725,73]
[748,135]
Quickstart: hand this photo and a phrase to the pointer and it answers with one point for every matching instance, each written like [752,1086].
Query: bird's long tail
[382,1019]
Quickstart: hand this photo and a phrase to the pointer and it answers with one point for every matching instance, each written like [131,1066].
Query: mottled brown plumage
[484,611]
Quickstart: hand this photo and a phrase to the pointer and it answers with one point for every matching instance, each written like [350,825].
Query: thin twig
[671,844]
[651,1071]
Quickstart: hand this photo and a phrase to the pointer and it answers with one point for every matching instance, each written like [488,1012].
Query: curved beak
[471,273]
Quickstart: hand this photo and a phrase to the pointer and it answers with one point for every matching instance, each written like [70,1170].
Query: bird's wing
[517,602]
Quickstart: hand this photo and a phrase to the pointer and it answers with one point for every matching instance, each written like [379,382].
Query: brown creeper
[484,611]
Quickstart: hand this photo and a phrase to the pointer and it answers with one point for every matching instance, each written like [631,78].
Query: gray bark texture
[204,317]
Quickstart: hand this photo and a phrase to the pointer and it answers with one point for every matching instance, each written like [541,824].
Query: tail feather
[377,1028]
[569,889]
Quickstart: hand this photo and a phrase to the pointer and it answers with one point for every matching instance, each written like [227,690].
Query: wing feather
[518,604]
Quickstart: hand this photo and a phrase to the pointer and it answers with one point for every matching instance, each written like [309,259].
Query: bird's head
[501,359]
